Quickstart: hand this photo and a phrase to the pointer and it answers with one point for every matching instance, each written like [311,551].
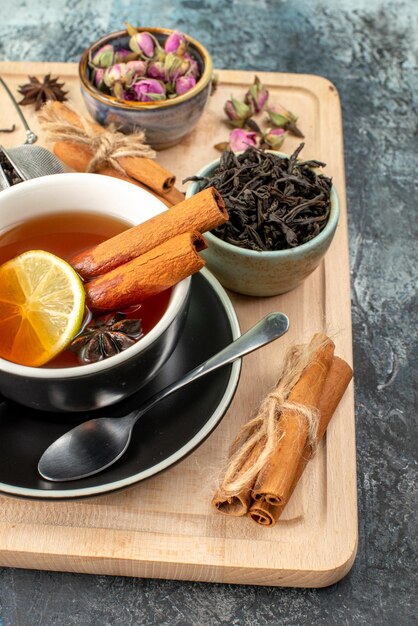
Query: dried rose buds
[248,131]
[257,95]
[273,138]
[104,57]
[237,112]
[149,90]
[149,71]
[174,67]
[98,76]
[184,84]
[176,42]
[240,139]
[281,118]
[143,44]
[156,69]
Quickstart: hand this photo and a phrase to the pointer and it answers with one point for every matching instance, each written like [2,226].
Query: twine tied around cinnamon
[108,145]
[264,432]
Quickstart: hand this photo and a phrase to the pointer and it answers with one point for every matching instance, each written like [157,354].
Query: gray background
[368,48]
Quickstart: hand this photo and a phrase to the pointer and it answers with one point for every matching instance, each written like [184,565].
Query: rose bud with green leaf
[193,65]
[124,56]
[257,95]
[175,42]
[273,138]
[237,112]
[149,90]
[115,74]
[282,118]
[98,76]
[143,44]
[156,69]
[104,57]
[174,67]
[135,69]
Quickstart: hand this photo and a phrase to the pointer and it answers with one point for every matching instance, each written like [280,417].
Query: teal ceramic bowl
[256,273]
[166,122]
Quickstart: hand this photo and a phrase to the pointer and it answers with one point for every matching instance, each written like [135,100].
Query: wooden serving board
[165,527]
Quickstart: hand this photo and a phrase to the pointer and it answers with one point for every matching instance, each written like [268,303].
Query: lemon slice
[41,307]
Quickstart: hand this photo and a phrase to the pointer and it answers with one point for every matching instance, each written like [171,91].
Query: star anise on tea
[37,92]
[105,337]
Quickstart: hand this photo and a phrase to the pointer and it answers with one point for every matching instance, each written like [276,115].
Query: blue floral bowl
[268,273]
[165,122]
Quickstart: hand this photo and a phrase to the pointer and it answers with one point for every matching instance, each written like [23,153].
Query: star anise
[37,92]
[106,337]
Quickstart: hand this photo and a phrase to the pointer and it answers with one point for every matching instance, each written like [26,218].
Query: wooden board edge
[227,574]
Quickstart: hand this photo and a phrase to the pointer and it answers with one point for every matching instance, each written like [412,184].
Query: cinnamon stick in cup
[201,212]
[274,482]
[338,379]
[145,276]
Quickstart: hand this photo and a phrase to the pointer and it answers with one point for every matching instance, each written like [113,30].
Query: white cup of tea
[93,385]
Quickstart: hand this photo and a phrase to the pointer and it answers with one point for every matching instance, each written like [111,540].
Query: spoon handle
[269,328]
[30,135]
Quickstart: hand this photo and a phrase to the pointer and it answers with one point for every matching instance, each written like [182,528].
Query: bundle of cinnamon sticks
[273,449]
[151,257]
[74,149]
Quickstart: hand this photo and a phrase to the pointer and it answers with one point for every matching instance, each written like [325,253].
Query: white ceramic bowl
[95,385]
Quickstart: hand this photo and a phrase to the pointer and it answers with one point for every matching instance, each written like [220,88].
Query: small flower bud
[237,112]
[240,139]
[149,90]
[135,69]
[257,95]
[138,67]
[143,43]
[104,56]
[156,70]
[176,42]
[184,84]
[115,73]
[273,138]
[124,56]
[174,67]
[98,78]
[279,117]
[282,118]
[193,65]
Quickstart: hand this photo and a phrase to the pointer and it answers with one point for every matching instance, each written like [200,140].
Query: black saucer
[162,437]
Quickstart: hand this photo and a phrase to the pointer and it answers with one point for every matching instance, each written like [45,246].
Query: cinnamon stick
[144,170]
[145,276]
[201,212]
[238,504]
[338,379]
[78,157]
[274,482]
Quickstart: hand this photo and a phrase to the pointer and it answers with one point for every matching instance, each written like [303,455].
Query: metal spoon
[30,135]
[96,444]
